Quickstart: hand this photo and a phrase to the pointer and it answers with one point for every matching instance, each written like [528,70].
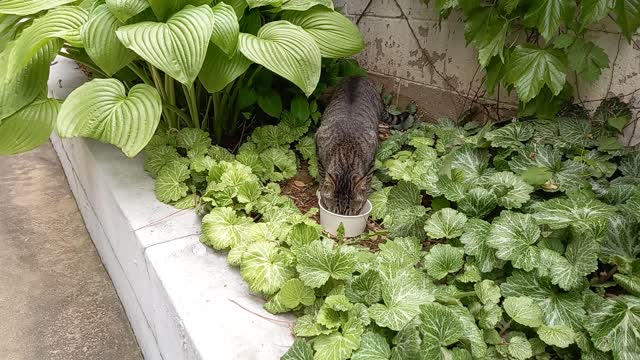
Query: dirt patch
[302,190]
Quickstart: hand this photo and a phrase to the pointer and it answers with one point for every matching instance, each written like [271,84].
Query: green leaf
[300,350]
[406,216]
[439,326]
[402,294]
[630,164]
[181,57]
[472,162]
[511,190]
[170,184]
[258,3]
[102,44]
[158,157]
[270,102]
[474,239]
[123,10]
[338,345]
[219,70]
[335,35]
[559,335]
[165,8]
[400,252]
[443,259]
[265,268]
[524,311]
[583,212]
[302,5]
[627,16]
[222,228]
[547,16]
[520,348]
[287,50]
[530,68]
[488,292]
[308,326]
[379,202]
[478,202]
[61,23]
[512,135]
[321,260]
[536,176]
[294,293]
[446,223]
[29,7]
[372,347]
[630,283]
[190,138]
[592,11]
[486,30]
[558,307]
[579,260]
[101,109]
[365,288]
[513,235]
[588,59]
[614,327]
[227,29]
[28,128]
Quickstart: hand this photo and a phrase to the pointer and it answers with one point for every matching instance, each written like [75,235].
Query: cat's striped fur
[346,144]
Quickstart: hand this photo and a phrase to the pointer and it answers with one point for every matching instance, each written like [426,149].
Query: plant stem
[155,74]
[178,112]
[217,116]
[192,102]
[140,73]
[170,92]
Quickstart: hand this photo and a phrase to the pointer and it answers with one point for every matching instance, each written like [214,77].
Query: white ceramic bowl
[354,225]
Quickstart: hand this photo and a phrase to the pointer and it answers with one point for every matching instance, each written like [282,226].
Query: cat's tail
[394,119]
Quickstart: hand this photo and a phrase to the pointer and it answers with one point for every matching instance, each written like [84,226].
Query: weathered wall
[411,51]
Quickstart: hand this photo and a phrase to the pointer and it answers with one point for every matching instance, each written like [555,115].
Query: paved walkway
[56,299]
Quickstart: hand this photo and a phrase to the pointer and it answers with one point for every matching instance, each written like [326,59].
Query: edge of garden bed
[183,300]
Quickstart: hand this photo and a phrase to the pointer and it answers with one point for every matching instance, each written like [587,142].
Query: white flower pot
[354,225]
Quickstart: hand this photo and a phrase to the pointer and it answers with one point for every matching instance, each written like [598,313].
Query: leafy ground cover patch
[516,241]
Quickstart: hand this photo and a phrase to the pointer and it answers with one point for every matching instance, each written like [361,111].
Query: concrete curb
[183,300]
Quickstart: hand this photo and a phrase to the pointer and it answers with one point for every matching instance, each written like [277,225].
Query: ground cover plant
[199,64]
[514,241]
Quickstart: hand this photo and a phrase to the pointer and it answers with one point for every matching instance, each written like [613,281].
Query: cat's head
[344,194]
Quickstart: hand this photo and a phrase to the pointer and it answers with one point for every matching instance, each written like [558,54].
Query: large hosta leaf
[166,8]
[226,29]
[219,70]
[530,68]
[102,110]
[28,7]
[126,9]
[614,327]
[335,35]
[287,50]
[63,22]
[177,47]
[513,235]
[265,268]
[102,44]
[302,5]
[20,87]
[28,128]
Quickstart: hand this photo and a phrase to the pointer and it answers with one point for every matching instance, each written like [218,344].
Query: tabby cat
[346,143]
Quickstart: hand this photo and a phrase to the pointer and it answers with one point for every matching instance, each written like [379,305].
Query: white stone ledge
[180,296]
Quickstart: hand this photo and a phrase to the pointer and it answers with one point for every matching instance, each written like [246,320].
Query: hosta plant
[199,64]
[503,242]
